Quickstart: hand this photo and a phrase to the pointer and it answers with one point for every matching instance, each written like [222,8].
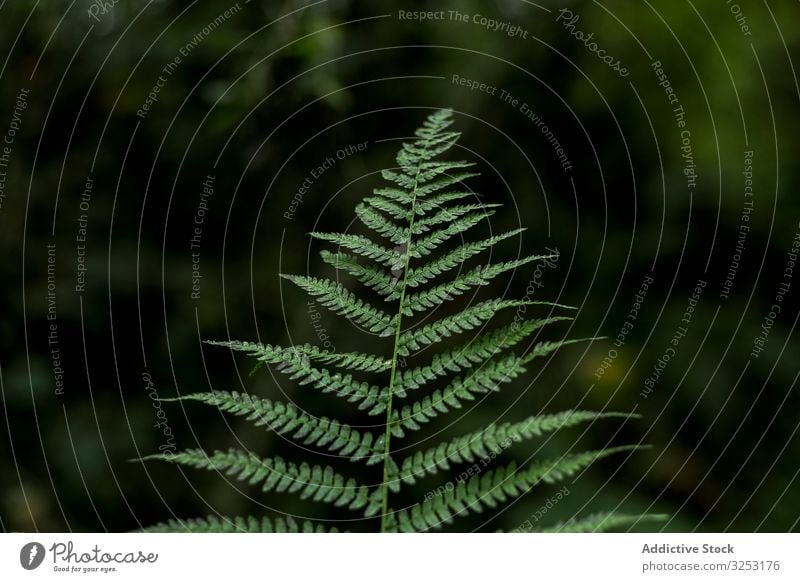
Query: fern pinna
[416,214]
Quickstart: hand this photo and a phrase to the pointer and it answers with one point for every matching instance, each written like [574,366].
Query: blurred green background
[259,98]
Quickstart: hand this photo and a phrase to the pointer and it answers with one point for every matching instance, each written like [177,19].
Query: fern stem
[481,365]
[395,354]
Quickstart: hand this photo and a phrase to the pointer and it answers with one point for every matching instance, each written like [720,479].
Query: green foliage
[490,488]
[599,522]
[275,474]
[475,446]
[416,215]
[249,524]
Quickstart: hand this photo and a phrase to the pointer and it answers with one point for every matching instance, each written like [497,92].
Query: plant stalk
[388,435]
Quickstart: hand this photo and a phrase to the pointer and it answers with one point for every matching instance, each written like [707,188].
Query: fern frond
[287,419]
[430,170]
[599,522]
[341,301]
[426,148]
[437,202]
[371,276]
[486,443]
[448,215]
[485,379]
[495,486]
[404,180]
[544,348]
[249,524]
[420,212]
[435,296]
[363,246]
[435,124]
[382,225]
[474,353]
[422,274]
[383,202]
[413,178]
[442,183]
[368,396]
[274,474]
[296,365]
[426,245]
[393,195]
[468,319]
[278,355]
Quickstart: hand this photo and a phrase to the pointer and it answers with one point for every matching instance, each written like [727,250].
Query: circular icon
[31,555]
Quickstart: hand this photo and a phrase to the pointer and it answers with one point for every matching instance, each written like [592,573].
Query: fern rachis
[414,217]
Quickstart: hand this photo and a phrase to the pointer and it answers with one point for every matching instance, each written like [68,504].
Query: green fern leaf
[274,474]
[369,397]
[443,183]
[486,378]
[431,242]
[250,524]
[430,170]
[285,418]
[278,355]
[438,201]
[435,296]
[423,274]
[599,522]
[448,215]
[422,207]
[495,486]
[370,275]
[473,353]
[384,201]
[382,225]
[341,301]
[490,441]
[403,180]
[363,246]
[466,320]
